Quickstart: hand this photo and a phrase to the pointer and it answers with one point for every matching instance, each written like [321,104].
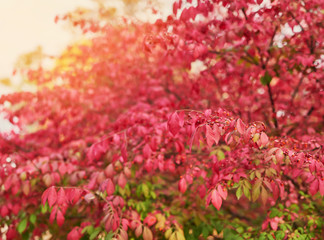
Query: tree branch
[274,115]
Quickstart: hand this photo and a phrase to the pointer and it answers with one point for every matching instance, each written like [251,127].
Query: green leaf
[220,155]
[247,184]
[205,232]
[44,208]
[109,236]
[247,192]
[262,236]
[22,225]
[270,236]
[239,193]
[218,226]
[246,235]
[264,195]
[240,229]
[280,235]
[139,190]
[88,229]
[252,175]
[226,148]
[274,213]
[33,219]
[256,190]
[266,79]
[95,233]
[230,234]
[145,189]
[153,195]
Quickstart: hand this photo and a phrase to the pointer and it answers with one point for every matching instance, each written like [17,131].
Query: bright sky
[26,24]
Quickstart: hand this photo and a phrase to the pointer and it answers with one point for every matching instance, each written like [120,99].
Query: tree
[123,140]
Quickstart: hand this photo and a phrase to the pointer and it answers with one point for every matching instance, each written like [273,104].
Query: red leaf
[109,171]
[122,180]
[321,187]
[274,223]
[222,191]
[75,234]
[52,196]
[138,231]
[182,185]
[75,195]
[147,151]
[4,211]
[110,188]
[181,118]
[61,198]
[313,188]
[264,139]
[53,214]
[212,135]
[202,191]
[240,126]
[147,234]
[175,7]
[216,199]
[275,190]
[109,223]
[174,123]
[96,151]
[44,196]
[150,220]
[60,218]
[124,152]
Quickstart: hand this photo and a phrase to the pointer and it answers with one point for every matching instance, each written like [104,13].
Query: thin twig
[274,117]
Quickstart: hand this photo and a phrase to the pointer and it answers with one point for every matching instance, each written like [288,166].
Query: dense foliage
[125,140]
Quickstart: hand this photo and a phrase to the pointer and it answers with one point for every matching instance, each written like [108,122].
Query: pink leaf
[53,214]
[321,187]
[216,199]
[147,151]
[175,7]
[264,139]
[138,231]
[122,180]
[274,223]
[60,218]
[212,135]
[96,151]
[110,188]
[75,234]
[45,196]
[52,196]
[182,185]
[313,188]
[74,195]
[61,198]
[109,171]
[240,126]
[147,234]
[124,152]
[202,191]
[265,224]
[174,123]
[222,191]
[181,118]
